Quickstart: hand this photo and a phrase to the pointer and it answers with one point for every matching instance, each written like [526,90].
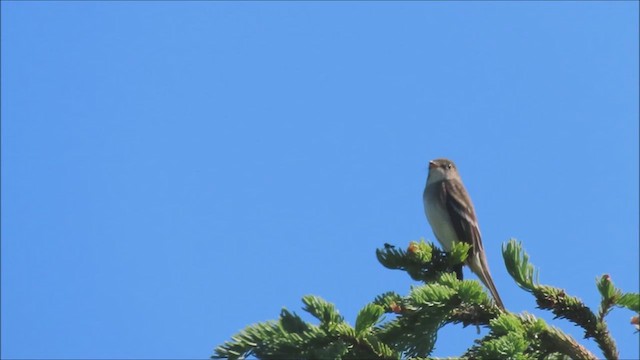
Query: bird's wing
[465,224]
[461,213]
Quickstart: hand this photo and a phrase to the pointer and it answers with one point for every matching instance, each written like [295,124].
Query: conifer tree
[414,319]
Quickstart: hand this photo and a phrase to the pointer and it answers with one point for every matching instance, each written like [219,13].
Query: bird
[450,213]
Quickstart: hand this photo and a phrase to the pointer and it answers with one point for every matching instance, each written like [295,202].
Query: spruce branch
[517,263]
[322,310]
[526,337]
[292,323]
[423,261]
[557,301]
[429,307]
[610,295]
[554,340]
[411,329]
[390,301]
[472,314]
[369,316]
[292,338]
[630,301]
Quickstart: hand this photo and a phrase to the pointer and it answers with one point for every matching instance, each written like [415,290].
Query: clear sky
[173,172]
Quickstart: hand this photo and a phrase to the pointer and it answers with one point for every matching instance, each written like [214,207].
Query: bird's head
[442,169]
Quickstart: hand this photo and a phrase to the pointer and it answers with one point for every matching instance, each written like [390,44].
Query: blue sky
[173,172]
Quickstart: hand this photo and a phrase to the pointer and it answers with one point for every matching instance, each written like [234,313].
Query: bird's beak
[432,164]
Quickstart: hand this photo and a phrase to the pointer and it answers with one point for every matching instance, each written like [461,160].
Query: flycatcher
[452,218]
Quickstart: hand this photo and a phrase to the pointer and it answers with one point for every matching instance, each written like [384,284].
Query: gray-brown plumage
[452,218]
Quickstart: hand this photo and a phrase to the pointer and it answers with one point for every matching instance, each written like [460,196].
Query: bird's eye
[449,166]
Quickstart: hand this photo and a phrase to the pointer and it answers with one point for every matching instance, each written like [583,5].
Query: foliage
[411,326]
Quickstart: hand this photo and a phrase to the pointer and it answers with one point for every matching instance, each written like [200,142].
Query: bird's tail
[478,264]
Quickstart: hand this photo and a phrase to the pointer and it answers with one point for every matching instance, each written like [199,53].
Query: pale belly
[441,226]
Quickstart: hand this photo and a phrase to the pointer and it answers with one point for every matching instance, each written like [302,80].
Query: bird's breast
[439,220]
